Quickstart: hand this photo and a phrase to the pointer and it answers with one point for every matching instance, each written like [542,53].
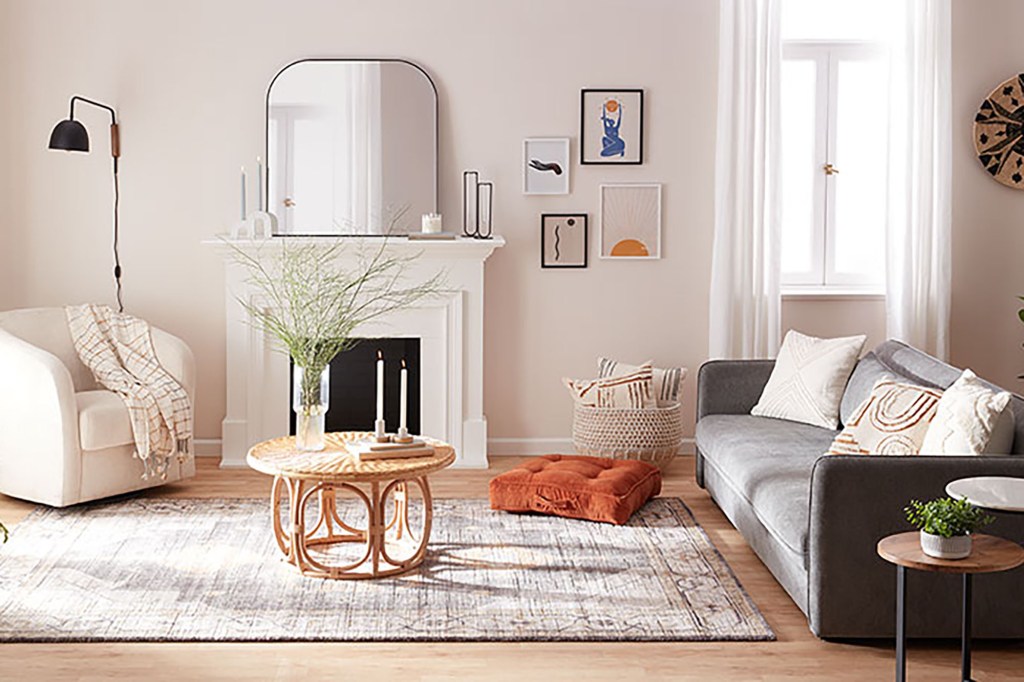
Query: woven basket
[650,434]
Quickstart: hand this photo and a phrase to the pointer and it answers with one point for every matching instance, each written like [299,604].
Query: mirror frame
[391,60]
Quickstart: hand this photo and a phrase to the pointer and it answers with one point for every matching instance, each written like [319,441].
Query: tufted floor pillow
[577,487]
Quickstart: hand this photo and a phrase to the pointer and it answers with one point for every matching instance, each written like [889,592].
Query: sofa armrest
[40,458]
[176,357]
[855,502]
[731,386]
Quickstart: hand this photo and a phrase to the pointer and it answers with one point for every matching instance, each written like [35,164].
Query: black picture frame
[544,217]
[639,93]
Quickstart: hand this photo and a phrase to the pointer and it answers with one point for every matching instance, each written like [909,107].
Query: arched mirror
[351,147]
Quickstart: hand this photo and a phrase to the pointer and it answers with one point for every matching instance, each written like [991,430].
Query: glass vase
[310,397]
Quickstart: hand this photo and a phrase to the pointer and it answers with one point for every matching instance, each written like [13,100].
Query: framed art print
[546,165]
[631,221]
[563,240]
[611,126]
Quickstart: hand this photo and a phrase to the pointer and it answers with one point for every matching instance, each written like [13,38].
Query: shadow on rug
[210,570]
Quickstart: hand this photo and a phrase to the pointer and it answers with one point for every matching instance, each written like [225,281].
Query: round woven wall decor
[999,133]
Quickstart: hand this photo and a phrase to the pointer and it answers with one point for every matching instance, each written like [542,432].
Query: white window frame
[823,278]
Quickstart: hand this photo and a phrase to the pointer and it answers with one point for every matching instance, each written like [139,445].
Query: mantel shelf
[461,247]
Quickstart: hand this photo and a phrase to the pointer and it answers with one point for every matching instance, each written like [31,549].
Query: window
[834,143]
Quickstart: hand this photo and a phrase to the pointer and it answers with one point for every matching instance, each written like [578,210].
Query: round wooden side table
[304,474]
[989,554]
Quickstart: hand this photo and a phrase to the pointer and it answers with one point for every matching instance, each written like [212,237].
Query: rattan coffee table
[325,474]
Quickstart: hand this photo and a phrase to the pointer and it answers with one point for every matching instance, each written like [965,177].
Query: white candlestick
[380,386]
[243,192]
[403,412]
[259,184]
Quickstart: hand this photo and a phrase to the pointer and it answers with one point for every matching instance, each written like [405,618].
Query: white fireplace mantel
[450,328]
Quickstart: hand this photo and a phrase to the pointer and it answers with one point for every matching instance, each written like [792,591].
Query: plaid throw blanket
[119,351]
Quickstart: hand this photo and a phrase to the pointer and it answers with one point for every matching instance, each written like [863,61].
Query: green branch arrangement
[315,295]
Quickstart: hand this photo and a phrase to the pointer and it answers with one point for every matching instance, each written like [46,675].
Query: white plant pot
[958,547]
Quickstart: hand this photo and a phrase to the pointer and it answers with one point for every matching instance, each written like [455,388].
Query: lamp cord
[117,256]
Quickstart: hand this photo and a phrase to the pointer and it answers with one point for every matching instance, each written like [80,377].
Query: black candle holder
[482,196]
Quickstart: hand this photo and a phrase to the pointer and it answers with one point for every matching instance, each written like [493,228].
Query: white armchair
[63,438]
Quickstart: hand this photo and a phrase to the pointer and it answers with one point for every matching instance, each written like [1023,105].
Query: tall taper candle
[403,410]
[259,184]
[380,427]
[243,192]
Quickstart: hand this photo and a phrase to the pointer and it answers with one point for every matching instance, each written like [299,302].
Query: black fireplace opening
[353,389]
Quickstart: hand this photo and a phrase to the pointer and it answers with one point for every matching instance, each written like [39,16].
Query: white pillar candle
[380,386]
[403,410]
[430,223]
[259,184]
[243,192]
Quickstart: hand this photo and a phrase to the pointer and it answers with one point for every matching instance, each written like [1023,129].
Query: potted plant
[946,526]
[313,295]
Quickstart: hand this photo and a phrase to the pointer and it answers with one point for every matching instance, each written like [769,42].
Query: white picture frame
[546,165]
[630,221]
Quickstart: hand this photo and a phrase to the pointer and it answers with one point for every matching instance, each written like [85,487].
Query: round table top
[1002,493]
[280,457]
[989,554]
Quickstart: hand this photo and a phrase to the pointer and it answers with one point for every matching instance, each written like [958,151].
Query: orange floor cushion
[577,487]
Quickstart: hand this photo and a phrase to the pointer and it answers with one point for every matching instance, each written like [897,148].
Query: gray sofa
[814,520]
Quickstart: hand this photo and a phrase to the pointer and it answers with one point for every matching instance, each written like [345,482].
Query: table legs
[901,626]
[295,540]
[965,631]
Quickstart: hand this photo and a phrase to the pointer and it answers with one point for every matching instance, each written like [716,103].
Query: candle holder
[402,436]
[380,432]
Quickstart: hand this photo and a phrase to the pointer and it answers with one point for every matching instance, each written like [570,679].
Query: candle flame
[380,354]
[403,363]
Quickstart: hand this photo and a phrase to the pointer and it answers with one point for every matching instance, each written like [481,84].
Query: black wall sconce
[71,136]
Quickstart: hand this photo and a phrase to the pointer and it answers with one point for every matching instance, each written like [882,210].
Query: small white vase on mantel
[310,402]
[956,547]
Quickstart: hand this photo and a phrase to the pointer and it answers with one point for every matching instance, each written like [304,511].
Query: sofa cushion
[577,487]
[769,462]
[868,372]
[102,420]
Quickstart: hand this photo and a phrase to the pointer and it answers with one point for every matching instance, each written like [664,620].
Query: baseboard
[207,447]
[496,447]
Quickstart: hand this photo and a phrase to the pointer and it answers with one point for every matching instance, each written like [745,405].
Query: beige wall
[826,317]
[189,79]
[988,218]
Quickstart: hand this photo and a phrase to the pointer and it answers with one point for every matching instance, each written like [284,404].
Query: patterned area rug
[210,570]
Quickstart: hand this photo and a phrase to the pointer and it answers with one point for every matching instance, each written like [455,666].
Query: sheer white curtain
[358,175]
[920,178]
[745,299]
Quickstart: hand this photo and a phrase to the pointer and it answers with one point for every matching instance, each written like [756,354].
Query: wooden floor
[796,655]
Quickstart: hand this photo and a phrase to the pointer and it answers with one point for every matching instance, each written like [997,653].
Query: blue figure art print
[611,117]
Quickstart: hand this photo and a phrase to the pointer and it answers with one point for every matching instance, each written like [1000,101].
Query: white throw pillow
[809,378]
[971,419]
[667,381]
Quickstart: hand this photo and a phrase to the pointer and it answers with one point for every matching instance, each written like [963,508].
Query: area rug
[210,570]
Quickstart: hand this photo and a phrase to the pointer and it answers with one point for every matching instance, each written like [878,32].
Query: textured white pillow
[971,420]
[809,378]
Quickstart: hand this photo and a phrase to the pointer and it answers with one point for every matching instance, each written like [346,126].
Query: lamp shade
[71,136]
